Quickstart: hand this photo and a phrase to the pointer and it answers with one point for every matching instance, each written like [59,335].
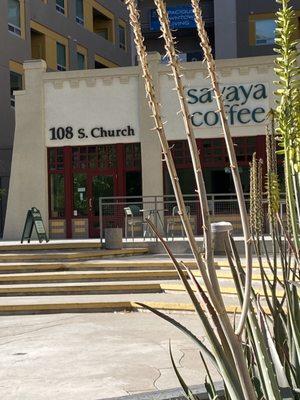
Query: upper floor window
[103,25]
[16,83]
[80,61]
[14,17]
[264,32]
[61,57]
[79,12]
[122,37]
[60,6]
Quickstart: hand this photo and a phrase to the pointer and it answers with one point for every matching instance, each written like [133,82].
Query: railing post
[100,220]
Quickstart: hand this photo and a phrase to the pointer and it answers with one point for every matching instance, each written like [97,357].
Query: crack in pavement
[23,334]
[41,323]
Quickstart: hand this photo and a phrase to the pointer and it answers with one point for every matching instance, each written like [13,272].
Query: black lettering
[111,133]
[195,120]
[53,133]
[81,133]
[118,132]
[232,111]
[246,93]
[124,132]
[213,120]
[69,132]
[260,92]
[244,112]
[206,96]
[258,110]
[192,98]
[130,131]
[103,132]
[232,94]
[60,133]
[93,133]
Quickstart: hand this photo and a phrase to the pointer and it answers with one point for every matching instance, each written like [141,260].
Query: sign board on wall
[181,17]
[88,115]
[247,106]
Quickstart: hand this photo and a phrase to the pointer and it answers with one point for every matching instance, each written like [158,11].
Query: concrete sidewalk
[94,356]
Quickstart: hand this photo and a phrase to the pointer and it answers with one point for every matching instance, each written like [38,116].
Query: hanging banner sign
[181,17]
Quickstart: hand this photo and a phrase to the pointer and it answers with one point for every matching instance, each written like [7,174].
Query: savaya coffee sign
[245,104]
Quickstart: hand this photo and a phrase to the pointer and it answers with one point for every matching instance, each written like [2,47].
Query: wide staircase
[82,277]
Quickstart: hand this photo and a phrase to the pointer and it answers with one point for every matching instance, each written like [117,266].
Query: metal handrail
[161,204]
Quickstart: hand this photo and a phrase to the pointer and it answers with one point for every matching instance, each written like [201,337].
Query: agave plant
[260,359]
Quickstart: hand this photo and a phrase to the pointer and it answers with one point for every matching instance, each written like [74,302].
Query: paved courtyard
[94,356]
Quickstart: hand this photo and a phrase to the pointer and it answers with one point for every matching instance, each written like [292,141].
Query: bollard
[113,238]
[219,235]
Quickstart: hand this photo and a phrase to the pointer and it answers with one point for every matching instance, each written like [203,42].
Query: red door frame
[67,170]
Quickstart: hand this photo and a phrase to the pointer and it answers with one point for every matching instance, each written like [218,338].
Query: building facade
[68,35]
[83,135]
[236,28]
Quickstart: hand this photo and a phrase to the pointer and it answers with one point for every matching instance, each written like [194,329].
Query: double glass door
[87,189]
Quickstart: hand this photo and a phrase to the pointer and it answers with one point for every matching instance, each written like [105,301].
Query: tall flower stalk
[287,112]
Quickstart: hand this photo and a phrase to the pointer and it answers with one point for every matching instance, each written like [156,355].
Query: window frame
[18,31]
[122,24]
[16,68]
[268,40]
[61,67]
[79,20]
[61,9]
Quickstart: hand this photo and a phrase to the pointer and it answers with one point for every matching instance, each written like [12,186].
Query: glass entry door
[87,189]
[99,186]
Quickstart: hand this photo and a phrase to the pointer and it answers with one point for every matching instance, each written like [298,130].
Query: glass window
[80,204]
[60,6]
[15,84]
[103,33]
[61,57]
[122,37]
[265,32]
[57,196]
[79,12]
[14,17]
[80,61]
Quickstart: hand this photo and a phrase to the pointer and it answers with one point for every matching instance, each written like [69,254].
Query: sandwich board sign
[34,220]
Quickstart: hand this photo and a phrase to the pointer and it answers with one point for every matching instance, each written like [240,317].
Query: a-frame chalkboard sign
[34,219]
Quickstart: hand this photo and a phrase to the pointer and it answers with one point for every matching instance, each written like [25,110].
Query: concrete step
[93,265]
[52,245]
[52,255]
[132,263]
[88,288]
[92,276]
[79,289]
[101,303]
[225,290]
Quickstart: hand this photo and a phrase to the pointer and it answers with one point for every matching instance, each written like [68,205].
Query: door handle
[90,203]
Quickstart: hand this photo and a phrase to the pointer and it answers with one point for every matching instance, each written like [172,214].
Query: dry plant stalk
[175,66]
[211,66]
[233,340]
[159,127]
[234,344]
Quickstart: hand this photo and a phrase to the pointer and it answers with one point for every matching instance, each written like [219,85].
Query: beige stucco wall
[29,173]
[110,98]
